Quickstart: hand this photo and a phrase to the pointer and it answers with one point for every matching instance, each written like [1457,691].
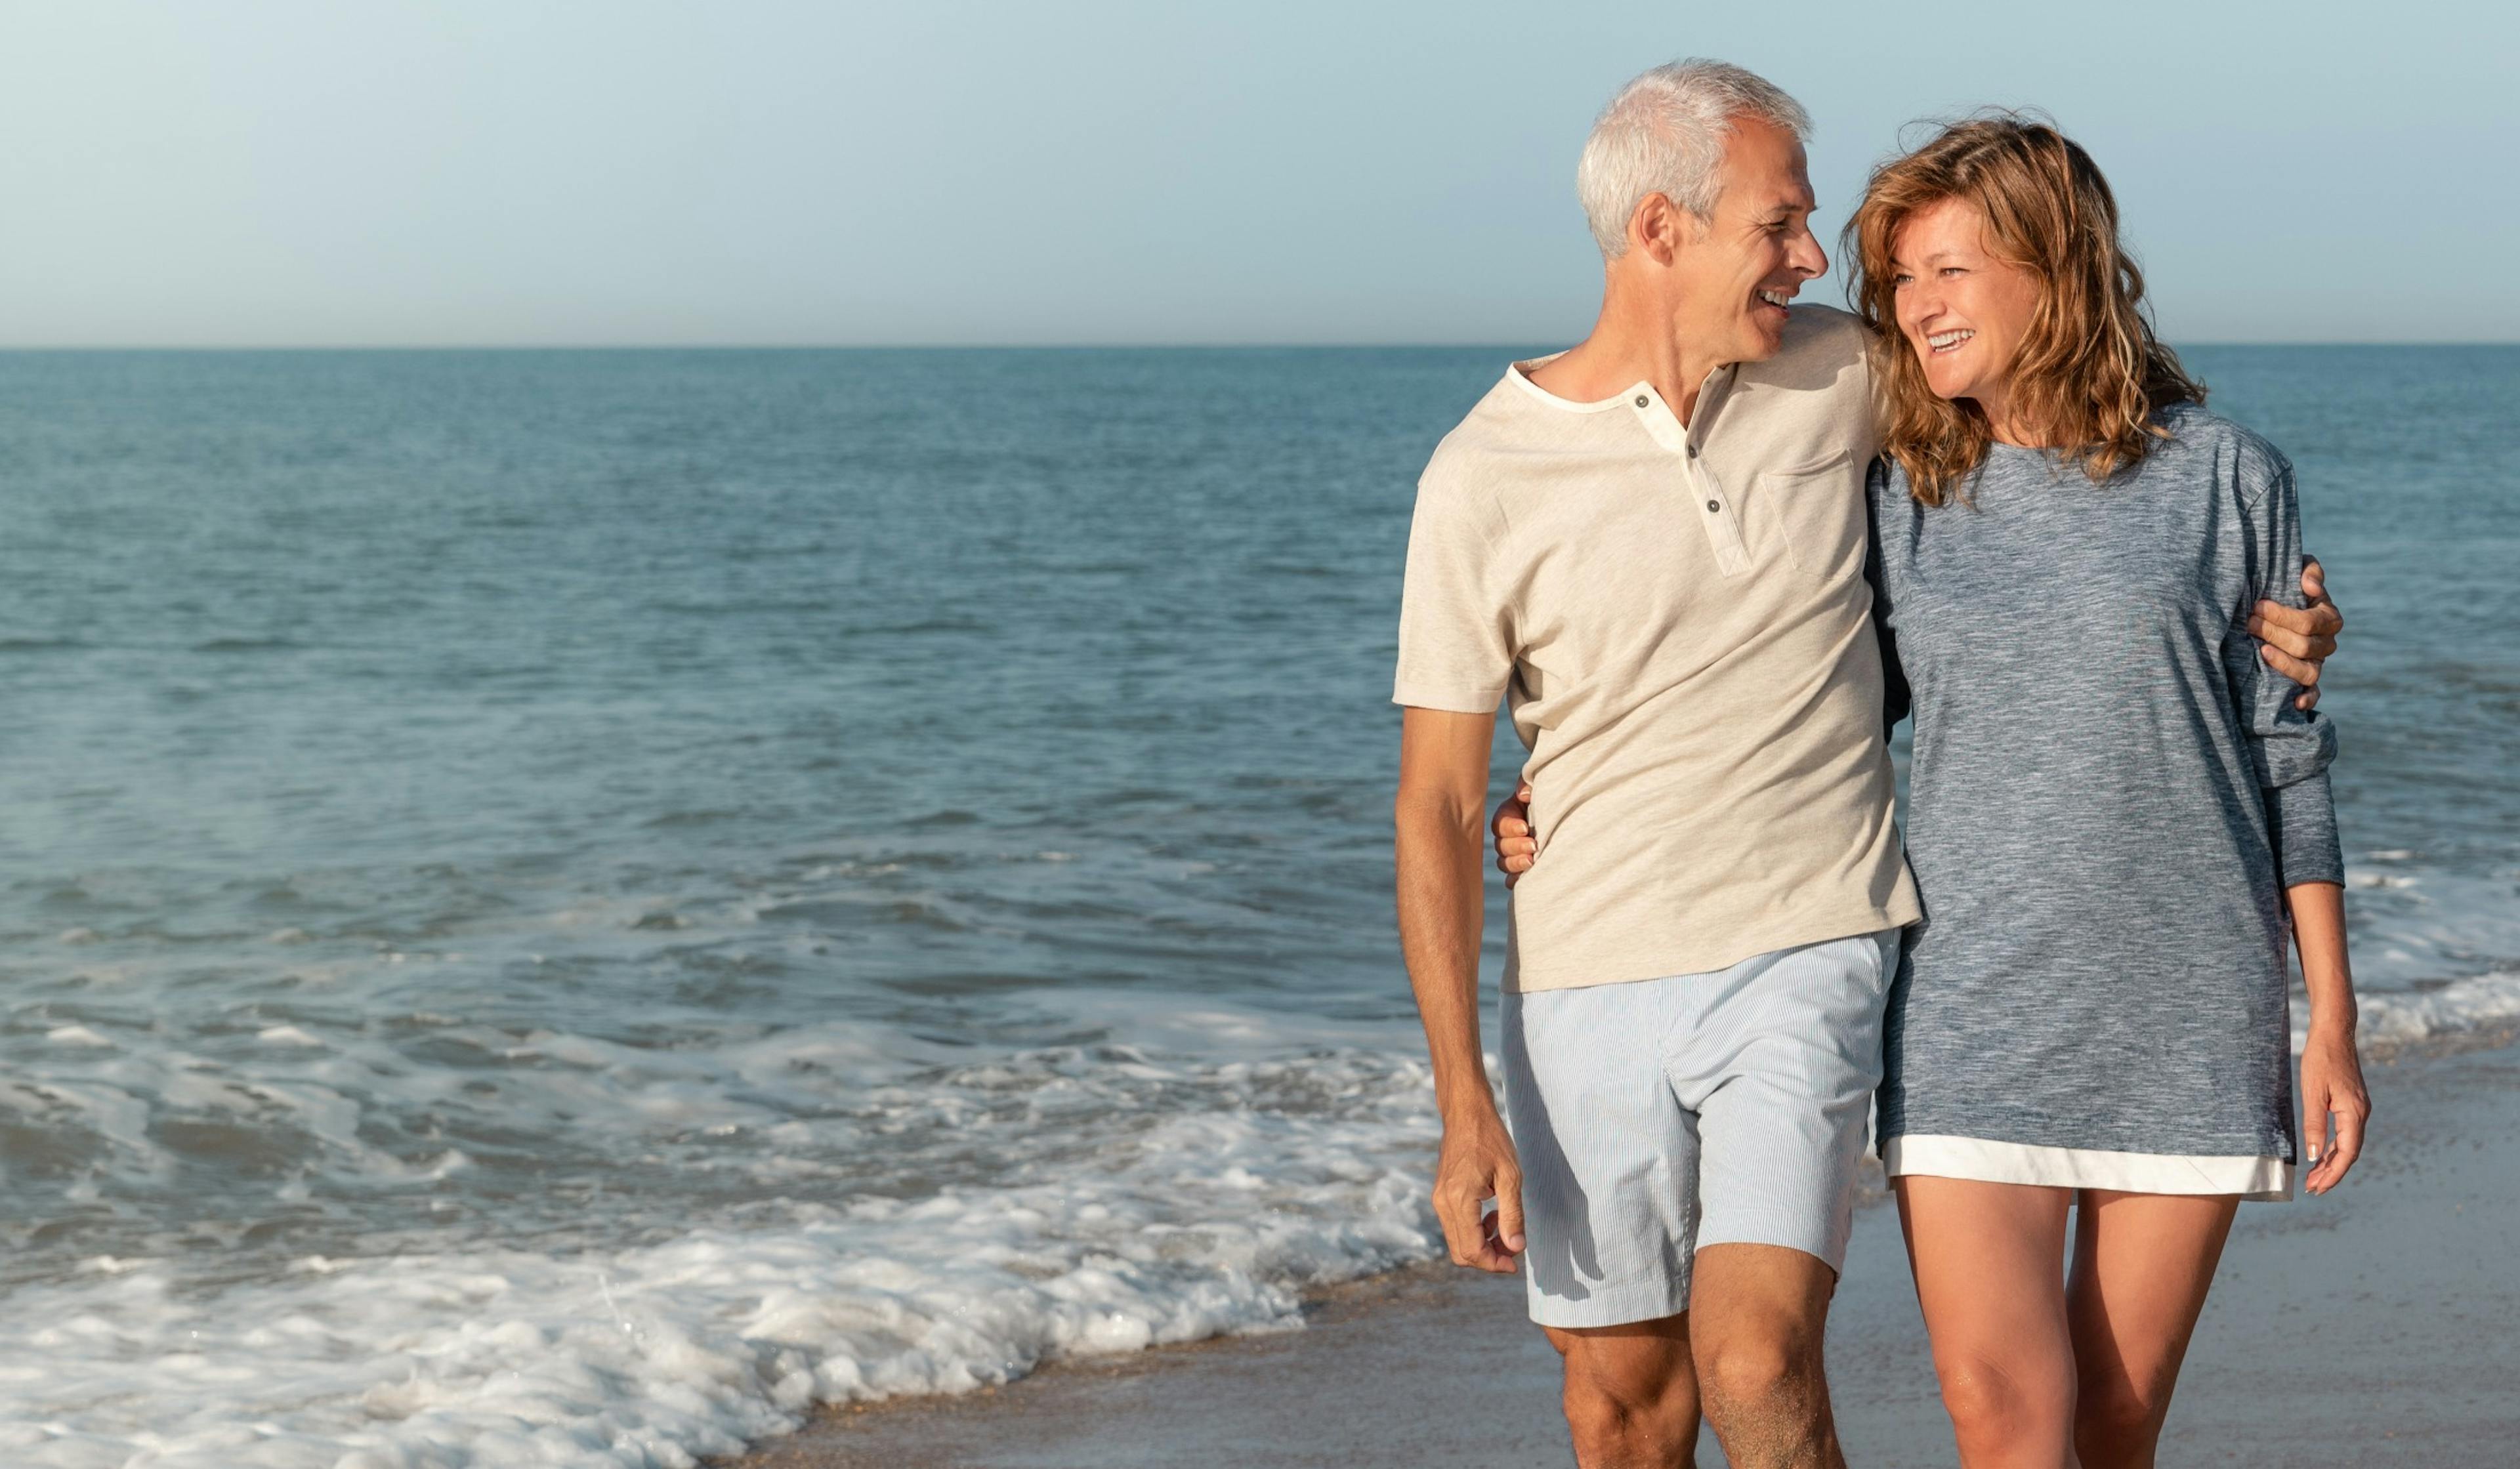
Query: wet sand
[2377,1326]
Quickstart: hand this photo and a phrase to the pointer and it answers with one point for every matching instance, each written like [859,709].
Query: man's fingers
[1508,1214]
[1458,1215]
[2290,666]
[2314,578]
[2305,701]
[2280,626]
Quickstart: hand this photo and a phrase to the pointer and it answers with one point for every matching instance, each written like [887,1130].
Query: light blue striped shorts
[1658,1116]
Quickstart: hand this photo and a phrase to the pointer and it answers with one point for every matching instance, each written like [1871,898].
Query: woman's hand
[1510,828]
[2331,1085]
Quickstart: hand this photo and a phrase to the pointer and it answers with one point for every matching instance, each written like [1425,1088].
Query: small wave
[246,644]
[2454,1011]
[676,820]
[927,627]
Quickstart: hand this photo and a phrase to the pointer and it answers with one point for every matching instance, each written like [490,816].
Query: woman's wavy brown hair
[2089,373]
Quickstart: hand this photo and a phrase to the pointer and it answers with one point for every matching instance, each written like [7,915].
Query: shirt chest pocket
[1812,512]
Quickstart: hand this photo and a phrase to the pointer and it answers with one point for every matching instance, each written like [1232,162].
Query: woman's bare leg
[1990,1265]
[2142,1263]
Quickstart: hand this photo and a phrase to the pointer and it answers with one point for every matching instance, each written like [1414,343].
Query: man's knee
[1759,1360]
[1629,1392]
[1761,1316]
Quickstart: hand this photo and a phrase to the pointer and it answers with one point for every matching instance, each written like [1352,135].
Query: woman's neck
[1995,403]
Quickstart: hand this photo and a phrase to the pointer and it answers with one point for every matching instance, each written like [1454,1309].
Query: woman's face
[1963,310]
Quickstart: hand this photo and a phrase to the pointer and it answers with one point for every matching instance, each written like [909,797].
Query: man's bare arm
[1437,852]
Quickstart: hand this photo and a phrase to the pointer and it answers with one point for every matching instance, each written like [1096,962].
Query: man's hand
[2296,643]
[1511,829]
[1478,1164]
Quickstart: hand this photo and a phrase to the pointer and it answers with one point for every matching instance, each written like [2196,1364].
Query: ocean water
[560,907]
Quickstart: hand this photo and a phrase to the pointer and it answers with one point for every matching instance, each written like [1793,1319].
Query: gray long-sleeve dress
[2110,792]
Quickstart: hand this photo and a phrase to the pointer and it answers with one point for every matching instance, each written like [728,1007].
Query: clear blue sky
[617,171]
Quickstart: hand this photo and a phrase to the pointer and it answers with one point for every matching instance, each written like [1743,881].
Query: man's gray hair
[1664,133]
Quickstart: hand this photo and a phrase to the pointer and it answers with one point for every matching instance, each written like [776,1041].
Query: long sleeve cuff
[2301,819]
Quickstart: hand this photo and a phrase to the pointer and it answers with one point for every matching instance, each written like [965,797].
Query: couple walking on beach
[1709,556]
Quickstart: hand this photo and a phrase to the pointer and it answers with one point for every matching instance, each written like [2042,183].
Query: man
[1653,545]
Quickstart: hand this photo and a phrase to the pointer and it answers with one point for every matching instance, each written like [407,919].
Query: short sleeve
[1872,432]
[1455,647]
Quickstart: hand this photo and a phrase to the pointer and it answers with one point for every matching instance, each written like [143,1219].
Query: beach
[2375,1326]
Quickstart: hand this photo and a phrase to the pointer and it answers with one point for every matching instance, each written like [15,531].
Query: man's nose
[1806,257]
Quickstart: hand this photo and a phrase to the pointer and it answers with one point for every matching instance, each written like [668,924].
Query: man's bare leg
[1630,1397]
[1758,1313]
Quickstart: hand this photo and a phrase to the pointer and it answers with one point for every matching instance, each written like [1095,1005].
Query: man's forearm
[1437,850]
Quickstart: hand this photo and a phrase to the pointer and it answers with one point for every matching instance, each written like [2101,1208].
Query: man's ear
[1660,228]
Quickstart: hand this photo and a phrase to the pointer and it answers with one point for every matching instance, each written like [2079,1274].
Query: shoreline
[2378,1326]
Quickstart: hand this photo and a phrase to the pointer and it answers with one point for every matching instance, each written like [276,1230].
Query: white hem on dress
[2262,1179]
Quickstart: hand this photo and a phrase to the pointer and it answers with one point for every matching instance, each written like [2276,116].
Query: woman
[2092,1018]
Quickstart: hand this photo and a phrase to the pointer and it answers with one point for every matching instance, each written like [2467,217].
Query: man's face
[1737,271]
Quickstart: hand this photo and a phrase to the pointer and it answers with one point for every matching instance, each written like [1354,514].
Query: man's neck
[1632,342]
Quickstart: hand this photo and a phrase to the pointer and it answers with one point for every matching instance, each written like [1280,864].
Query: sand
[2377,1326]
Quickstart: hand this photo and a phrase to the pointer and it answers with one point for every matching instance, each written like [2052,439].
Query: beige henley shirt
[1679,620]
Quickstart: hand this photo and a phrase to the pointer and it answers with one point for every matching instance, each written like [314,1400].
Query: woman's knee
[2117,1422]
[1997,1400]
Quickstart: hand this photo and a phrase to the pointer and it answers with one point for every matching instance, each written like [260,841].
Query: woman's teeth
[1944,341]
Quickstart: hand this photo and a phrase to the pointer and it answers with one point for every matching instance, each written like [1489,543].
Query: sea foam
[1269,1176]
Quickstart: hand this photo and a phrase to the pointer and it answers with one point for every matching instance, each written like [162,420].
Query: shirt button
[1642,401]
[1715,504]
[1692,451]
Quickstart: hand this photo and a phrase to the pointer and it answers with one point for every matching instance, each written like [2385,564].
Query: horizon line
[34,349]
